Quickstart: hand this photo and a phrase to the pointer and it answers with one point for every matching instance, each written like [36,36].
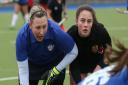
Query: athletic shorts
[21,2]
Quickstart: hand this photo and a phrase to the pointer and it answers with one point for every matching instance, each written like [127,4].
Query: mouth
[85,31]
[40,38]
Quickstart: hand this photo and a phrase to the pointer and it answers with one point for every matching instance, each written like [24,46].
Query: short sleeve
[21,47]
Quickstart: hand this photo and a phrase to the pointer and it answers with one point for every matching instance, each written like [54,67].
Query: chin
[39,40]
[84,35]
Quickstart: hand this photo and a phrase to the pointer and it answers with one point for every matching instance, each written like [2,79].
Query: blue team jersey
[56,44]
[103,77]
[119,79]
[98,78]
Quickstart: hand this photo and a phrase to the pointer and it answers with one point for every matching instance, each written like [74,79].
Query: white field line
[8,78]
[15,77]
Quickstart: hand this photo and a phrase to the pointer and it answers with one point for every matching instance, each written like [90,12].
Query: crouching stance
[40,50]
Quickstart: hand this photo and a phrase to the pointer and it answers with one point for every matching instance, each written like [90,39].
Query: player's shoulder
[24,30]
[100,30]
[52,24]
[101,72]
[55,29]
[72,29]
[100,77]
[99,27]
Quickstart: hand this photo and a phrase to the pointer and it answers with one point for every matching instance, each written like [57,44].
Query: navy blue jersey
[56,44]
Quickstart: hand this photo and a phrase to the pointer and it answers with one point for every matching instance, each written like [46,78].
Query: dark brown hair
[88,8]
[119,55]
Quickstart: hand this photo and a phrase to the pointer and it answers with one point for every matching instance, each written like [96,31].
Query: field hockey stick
[62,21]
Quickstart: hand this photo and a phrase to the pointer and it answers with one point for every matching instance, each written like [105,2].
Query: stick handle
[62,21]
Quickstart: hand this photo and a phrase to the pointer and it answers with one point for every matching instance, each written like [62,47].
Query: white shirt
[98,78]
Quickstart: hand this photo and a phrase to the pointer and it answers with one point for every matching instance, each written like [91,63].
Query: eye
[38,27]
[82,20]
[89,21]
[44,26]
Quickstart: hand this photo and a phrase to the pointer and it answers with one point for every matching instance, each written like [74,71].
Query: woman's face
[39,27]
[84,23]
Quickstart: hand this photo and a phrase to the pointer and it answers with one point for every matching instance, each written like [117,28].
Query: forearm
[23,72]
[68,58]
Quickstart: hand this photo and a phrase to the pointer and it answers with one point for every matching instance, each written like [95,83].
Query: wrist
[56,70]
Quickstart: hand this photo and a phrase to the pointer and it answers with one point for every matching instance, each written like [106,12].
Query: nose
[85,24]
[41,31]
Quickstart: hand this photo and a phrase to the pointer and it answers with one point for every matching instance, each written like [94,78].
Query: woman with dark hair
[115,74]
[91,38]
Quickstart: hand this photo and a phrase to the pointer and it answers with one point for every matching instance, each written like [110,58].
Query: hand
[51,76]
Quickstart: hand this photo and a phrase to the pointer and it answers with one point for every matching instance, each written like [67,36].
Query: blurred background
[116,24]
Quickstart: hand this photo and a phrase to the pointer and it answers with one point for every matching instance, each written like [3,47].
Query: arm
[106,39]
[22,60]
[67,46]
[68,58]
[53,73]
[23,72]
